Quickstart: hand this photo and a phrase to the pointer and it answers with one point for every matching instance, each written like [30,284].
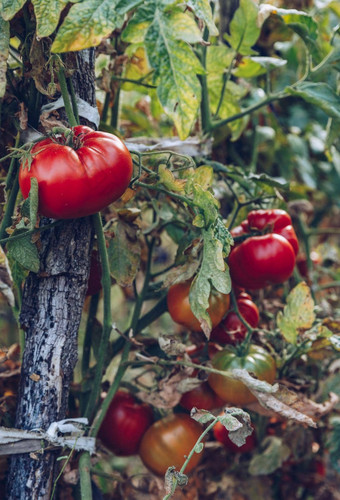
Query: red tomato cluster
[231,330]
[80,178]
[267,258]
[125,423]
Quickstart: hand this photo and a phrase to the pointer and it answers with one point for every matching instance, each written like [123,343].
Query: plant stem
[176,196]
[73,99]
[85,362]
[85,476]
[107,319]
[66,98]
[205,105]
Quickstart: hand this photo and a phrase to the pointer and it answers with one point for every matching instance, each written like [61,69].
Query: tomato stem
[67,103]
[85,476]
[107,319]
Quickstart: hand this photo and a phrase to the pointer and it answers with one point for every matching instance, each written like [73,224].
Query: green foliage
[4,44]
[244,30]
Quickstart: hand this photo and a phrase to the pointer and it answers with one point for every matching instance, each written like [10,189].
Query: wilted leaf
[86,24]
[244,31]
[237,422]
[274,454]
[9,8]
[202,10]
[298,314]
[124,253]
[4,52]
[167,178]
[201,416]
[320,94]
[171,346]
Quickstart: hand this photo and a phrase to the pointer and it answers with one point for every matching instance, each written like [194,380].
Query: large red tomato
[222,436]
[125,423]
[78,180]
[264,259]
[231,330]
[257,362]
[180,310]
[168,441]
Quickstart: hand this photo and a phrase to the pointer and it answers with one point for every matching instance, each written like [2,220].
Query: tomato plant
[125,423]
[80,177]
[231,330]
[222,436]
[265,258]
[256,361]
[180,310]
[168,441]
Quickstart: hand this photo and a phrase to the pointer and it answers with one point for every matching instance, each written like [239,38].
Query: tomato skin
[78,182]
[257,361]
[94,284]
[168,441]
[264,259]
[125,423]
[202,397]
[231,330]
[180,310]
[221,435]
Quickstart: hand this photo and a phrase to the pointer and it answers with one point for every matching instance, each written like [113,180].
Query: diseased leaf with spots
[124,253]
[138,25]
[203,11]
[167,178]
[244,30]
[237,423]
[4,52]
[47,13]
[86,24]
[8,8]
[298,314]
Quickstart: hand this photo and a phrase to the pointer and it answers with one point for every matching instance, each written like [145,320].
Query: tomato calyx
[67,137]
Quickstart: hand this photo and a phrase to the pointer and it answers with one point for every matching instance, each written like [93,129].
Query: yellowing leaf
[298,314]
[203,11]
[86,24]
[167,178]
[47,13]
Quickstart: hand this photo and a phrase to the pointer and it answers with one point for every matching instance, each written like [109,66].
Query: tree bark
[51,311]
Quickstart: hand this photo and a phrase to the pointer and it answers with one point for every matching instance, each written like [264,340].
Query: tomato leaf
[320,94]
[244,30]
[213,274]
[9,8]
[203,11]
[166,34]
[4,52]
[167,178]
[86,24]
[24,251]
[274,454]
[47,13]
[201,416]
[298,314]
[124,253]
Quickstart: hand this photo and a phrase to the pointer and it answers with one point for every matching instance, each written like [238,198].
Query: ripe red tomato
[202,397]
[221,435]
[168,442]
[94,284]
[231,330]
[258,362]
[268,258]
[125,423]
[80,180]
[180,310]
